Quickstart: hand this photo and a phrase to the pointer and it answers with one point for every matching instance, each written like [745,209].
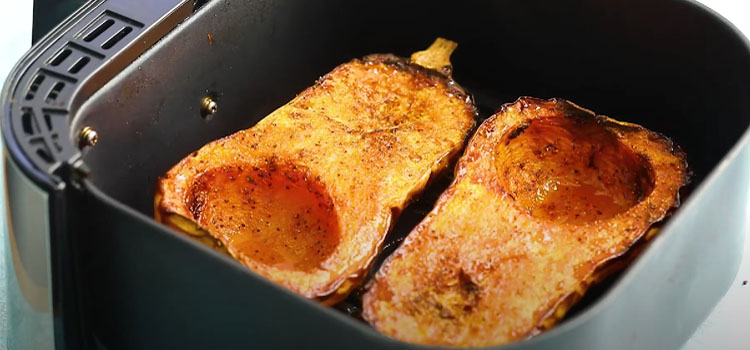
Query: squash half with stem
[306,197]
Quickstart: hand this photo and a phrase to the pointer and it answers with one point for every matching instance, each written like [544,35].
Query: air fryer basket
[129,282]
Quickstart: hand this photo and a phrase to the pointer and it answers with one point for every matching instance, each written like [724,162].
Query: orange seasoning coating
[306,196]
[548,198]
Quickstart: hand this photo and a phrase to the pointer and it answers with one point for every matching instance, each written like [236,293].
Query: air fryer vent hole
[56,142]
[44,154]
[76,67]
[34,87]
[48,121]
[60,57]
[98,30]
[28,122]
[42,150]
[52,96]
[117,37]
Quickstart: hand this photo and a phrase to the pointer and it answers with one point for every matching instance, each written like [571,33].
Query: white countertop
[726,328]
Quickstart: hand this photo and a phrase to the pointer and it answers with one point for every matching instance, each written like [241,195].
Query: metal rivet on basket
[208,106]
[88,137]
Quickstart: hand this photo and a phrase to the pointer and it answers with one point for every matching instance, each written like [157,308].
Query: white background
[728,327]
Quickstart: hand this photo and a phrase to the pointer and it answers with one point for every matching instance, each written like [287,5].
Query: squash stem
[437,56]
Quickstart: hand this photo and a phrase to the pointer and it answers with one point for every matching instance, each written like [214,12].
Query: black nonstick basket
[115,95]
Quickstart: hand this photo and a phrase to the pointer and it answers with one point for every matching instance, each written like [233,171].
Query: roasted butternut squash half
[306,196]
[548,198]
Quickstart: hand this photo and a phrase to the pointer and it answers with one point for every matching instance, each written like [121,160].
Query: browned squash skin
[548,198]
[306,196]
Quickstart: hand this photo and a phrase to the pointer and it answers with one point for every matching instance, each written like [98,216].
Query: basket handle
[68,65]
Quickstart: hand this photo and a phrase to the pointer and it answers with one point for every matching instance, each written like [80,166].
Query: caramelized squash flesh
[548,198]
[571,171]
[306,196]
[289,219]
